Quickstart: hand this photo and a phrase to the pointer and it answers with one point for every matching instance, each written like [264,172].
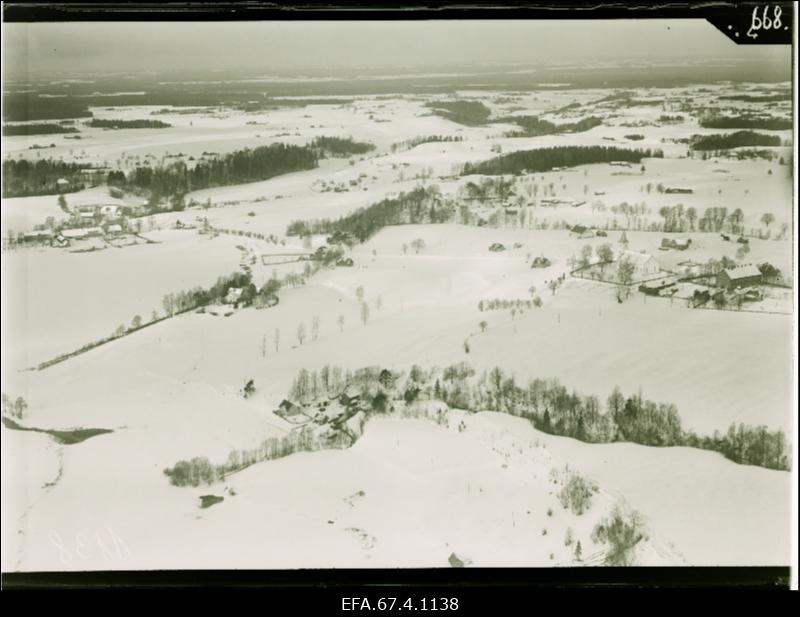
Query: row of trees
[746,122]
[545,159]
[408,144]
[546,403]
[175,179]
[127,124]
[733,140]
[10,130]
[552,408]
[468,113]
[199,470]
[534,126]
[340,146]
[420,205]
[22,177]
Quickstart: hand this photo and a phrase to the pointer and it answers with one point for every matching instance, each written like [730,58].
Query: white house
[234,294]
[110,210]
[644,265]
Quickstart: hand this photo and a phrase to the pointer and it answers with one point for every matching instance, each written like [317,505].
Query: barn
[741,276]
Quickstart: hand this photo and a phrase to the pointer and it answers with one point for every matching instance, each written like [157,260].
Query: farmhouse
[350,396]
[74,234]
[110,211]
[741,276]
[679,244]
[37,236]
[644,265]
[233,295]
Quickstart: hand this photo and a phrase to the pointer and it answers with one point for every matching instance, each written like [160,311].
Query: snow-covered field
[173,390]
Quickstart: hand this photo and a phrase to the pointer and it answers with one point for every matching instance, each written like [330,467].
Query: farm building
[233,295]
[34,237]
[111,211]
[350,395]
[114,229]
[291,412]
[644,265]
[741,276]
[74,234]
[679,244]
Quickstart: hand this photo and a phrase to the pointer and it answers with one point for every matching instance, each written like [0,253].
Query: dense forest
[421,205]
[746,122]
[733,140]
[24,106]
[468,113]
[340,146]
[22,178]
[250,165]
[128,124]
[545,159]
[534,126]
[12,130]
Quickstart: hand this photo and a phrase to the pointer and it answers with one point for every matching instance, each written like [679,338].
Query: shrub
[577,494]
[621,531]
[194,472]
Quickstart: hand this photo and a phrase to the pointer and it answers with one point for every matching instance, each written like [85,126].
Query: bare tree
[483,325]
[315,328]
[360,293]
[364,313]
[340,321]
[301,333]
[276,339]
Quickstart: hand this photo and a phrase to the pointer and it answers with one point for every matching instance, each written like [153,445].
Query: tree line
[408,144]
[127,124]
[239,167]
[746,122]
[468,113]
[733,140]
[533,126]
[545,159]
[341,146]
[22,178]
[552,408]
[547,404]
[420,205]
[11,130]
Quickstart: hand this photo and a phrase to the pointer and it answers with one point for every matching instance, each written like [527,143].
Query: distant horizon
[43,50]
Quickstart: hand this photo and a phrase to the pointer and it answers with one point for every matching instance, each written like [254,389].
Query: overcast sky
[43,49]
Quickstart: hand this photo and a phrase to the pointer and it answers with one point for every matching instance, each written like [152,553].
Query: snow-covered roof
[742,271]
[637,259]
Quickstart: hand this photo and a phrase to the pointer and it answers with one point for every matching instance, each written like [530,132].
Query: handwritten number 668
[764,22]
